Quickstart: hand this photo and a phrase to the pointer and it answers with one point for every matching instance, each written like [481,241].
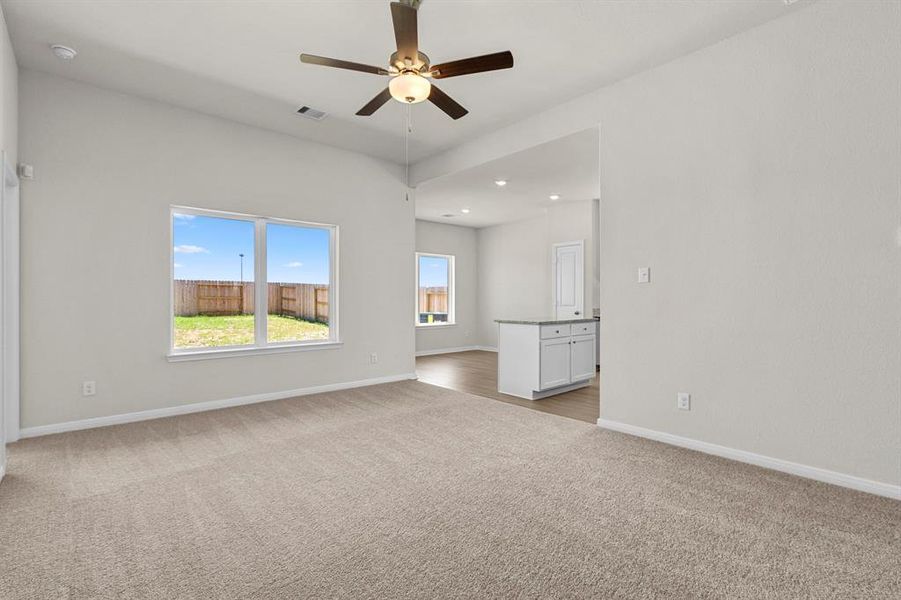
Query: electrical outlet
[683,401]
[88,388]
[373,358]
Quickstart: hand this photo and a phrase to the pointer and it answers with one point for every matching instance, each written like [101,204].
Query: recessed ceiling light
[554,196]
[500,182]
[63,52]
[465,211]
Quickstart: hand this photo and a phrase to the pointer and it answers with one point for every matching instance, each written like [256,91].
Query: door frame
[9,287]
[581,291]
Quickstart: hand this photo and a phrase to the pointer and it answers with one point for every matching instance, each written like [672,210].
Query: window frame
[451,291]
[261,344]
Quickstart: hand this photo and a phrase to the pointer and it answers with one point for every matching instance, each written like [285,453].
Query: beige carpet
[412,491]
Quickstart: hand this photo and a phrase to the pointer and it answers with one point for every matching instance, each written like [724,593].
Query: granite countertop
[546,321]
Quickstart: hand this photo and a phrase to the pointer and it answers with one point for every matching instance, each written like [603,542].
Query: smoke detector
[63,52]
[311,113]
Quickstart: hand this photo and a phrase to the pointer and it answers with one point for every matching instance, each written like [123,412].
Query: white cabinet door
[582,360]
[555,359]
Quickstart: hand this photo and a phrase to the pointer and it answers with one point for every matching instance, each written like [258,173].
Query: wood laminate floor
[475,372]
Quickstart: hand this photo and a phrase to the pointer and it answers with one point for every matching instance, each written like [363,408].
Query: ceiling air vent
[311,113]
[448,215]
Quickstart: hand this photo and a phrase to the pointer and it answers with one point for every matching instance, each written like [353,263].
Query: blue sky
[209,248]
[432,271]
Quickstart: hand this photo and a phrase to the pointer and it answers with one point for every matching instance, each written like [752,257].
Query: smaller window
[434,289]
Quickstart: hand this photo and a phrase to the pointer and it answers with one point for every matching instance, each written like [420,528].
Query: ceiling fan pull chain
[408,129]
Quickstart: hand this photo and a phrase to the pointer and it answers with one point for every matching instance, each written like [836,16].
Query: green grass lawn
[208,331]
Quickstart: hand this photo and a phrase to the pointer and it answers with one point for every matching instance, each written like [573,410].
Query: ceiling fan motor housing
[420,65]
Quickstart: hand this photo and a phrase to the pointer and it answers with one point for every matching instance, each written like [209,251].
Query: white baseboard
[849,481]
[2,471]
[446,350]
[452,350]
[184,409]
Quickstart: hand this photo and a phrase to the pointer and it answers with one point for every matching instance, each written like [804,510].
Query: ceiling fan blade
[375,104]
[405,31]
[476,64]
[446,103]
[312,59]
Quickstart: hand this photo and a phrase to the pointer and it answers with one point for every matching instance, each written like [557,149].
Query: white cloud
[178,265]
[294,264]
[182,217]
[189,249]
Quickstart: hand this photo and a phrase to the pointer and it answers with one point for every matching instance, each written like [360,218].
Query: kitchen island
[538,358]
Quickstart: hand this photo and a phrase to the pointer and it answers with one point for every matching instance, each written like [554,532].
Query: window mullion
[260,286]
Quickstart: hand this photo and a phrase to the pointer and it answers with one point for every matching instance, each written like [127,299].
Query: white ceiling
[239,60]
[567,166]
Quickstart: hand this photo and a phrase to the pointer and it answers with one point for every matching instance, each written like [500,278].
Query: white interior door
[569,280]
[9,304]
[4,409]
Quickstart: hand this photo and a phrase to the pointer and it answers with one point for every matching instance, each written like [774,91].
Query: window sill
[434,325]
[234,352]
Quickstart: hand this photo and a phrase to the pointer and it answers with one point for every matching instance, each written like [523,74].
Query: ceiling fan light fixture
[410,88]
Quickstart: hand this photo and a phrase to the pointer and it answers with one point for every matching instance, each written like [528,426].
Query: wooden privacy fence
[303,300]
[202,297]
[433,299]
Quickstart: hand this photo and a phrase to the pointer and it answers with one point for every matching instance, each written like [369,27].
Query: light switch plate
[644,275]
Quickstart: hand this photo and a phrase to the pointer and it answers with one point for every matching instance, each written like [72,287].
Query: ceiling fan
[410,69]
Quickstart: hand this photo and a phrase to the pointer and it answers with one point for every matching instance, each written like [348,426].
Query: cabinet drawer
[583,328]
[554,331]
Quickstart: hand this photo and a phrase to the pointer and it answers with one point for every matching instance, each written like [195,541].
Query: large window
[434,289]
[249,283]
